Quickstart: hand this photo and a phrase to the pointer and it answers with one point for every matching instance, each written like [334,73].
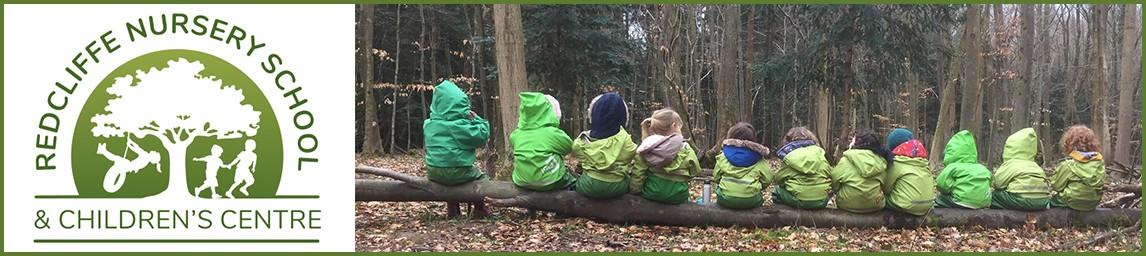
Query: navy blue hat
[607,113]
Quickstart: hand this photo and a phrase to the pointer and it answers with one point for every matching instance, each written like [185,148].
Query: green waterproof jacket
[858,181]
[806,173]
[963,178]
[1079,180]
[912,188]
[1019,174]
[538,144]
[743,182]
[605,159]
[451,133]
[679,169]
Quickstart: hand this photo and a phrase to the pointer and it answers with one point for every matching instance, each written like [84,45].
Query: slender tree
[372,144]
[1128,84]
[510,47]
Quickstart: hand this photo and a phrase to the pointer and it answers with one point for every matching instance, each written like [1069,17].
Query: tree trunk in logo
[177,180]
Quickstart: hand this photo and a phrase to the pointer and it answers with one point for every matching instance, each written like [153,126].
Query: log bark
[636,210]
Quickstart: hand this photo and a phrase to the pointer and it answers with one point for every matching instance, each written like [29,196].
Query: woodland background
[934,69]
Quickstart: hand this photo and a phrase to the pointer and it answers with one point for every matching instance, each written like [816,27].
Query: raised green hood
[536,112]
[450,102]
[961,149]
[1022,145]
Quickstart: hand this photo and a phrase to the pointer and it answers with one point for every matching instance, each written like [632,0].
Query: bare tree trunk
[1128,85]
[1042,116]
[372,144]
[823,112]
[947,98]
[731,101]
[510,45]
[849,106]
[971,107]
[1098,75]
[1019,100]
[397,56]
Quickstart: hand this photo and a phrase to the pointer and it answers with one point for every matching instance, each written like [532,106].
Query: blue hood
[743,153]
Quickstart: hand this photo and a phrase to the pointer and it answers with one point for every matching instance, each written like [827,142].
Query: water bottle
[706,196]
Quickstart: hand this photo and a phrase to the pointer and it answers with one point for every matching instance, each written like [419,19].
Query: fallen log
[1125,188]
[636,210]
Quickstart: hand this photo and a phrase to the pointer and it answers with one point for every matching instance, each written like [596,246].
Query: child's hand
[473,115]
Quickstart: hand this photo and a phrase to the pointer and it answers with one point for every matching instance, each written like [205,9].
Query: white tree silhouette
[176,105]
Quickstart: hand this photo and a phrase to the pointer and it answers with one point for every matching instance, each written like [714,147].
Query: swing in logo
[173,145]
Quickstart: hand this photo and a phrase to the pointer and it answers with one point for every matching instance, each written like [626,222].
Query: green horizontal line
[175,241]
[89,197]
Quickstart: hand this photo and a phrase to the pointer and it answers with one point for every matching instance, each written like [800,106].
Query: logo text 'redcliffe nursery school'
[206,140]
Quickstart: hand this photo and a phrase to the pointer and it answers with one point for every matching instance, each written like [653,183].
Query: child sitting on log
[665,162]
[605,150]
[741,171]
[858,177]
[1078,180]
[452,134]
[1020,183]
[910,188]
[963,183]
[539,145]
[804,178]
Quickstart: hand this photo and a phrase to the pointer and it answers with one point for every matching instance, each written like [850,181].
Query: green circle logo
[177,124]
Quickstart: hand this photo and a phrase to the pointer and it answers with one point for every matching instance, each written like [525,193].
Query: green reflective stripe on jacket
[451,135]
[858,181]
[741,182]
[538,144]
[806,174]
[1019,174]
[967,182]
[911,186]
[605,159]
[1079,185]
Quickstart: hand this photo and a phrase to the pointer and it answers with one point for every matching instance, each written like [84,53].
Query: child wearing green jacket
[963,183]
[452,134]
[1020,183]
[664,162]
[741,171]
[539,146]
[910,188]
[804,178]
[605,150]
[858,178]
[1078,180]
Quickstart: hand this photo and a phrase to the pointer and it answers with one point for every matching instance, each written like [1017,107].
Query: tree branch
[417,182]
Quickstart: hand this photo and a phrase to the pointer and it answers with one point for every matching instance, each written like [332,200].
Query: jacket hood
[449,102]
[866,162]
[911,148]
[1084,157]
[1021,145]
[660,150]
[607,113]
[536,111]
[788,148]
[961,149]
[743,153]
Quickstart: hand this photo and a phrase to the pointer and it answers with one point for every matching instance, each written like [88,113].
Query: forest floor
[422,226]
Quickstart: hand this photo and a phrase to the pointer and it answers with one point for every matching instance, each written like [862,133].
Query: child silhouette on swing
[120,166]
